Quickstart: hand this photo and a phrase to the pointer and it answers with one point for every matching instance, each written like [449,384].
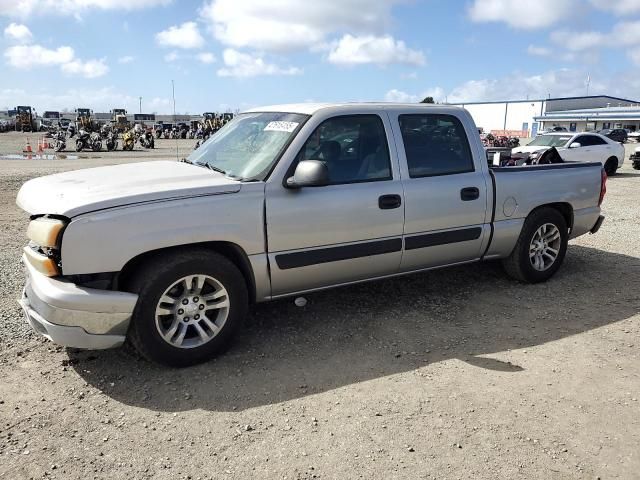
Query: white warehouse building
[524,118]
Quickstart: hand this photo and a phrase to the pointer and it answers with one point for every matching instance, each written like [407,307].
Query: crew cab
[283,201]
[585,147]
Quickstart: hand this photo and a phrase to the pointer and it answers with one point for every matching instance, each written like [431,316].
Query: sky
[236,54]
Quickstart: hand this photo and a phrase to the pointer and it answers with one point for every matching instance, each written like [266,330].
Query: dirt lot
[453,374]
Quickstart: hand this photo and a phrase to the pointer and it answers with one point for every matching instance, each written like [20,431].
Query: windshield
[247,147]
[550,140]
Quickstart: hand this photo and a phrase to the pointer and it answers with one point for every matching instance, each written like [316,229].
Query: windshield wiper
[211,167]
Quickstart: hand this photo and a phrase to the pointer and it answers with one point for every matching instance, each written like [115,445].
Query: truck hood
[82,191]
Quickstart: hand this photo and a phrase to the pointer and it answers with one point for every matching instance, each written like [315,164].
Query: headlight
[45,232]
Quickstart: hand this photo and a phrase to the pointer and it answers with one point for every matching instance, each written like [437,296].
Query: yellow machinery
[24,119]
[119,120]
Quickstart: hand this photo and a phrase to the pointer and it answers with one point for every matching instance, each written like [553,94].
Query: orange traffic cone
[27,149]
[40,146]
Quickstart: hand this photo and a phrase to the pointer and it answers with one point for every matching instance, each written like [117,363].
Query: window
[435,145]
[589,140]
[354,148]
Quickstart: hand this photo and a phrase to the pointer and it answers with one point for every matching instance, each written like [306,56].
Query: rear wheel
[611,166]
[79,145]
[189,308]
[541,247]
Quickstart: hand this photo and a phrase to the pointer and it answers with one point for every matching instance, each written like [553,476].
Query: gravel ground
[458,373]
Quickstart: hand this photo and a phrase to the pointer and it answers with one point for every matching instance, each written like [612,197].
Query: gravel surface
[459,373]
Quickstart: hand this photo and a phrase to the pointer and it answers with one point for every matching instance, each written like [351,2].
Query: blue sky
[229,54]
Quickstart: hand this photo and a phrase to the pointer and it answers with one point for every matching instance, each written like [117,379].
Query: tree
[428,100]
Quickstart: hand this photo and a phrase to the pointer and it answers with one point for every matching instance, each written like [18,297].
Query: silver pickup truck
[282,201]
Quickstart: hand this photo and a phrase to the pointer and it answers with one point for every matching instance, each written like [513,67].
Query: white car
[579,147]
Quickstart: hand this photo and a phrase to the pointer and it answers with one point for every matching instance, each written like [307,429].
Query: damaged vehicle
[283,201]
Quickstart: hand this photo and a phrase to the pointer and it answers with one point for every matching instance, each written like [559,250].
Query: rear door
[349,230]
[446,195]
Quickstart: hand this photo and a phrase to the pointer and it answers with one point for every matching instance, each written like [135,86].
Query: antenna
[173,94]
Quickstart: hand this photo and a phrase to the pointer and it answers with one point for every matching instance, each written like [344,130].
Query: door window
[435,145]
[354,148]
[589,140]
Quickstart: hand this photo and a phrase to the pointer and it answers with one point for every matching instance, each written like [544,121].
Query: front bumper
[75,316]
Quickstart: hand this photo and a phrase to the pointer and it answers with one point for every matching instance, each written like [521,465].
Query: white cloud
[126,59]
[634,55]
[88,69]
[18,33]
[622,34]
[539,51]
[99,99]
[383,50]
[618,7]
[521,14]
[29,56]
[289,25]
[185,36]
[398,96]
[238,64]
[206,57]
[171,57]
[26,57]
[28,8]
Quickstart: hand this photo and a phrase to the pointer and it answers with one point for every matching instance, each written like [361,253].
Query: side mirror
[575,145]
[309,173]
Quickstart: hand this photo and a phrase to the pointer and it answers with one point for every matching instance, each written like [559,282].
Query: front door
[348,230]
[445,192]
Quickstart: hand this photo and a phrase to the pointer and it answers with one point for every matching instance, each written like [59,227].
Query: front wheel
[611,166]
[190,305]
[541,247]
[79,145]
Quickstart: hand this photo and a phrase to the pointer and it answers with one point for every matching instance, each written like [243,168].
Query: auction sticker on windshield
[281,127]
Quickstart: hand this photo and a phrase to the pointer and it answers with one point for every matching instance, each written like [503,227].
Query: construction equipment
[84,119]
[25,121]
[119,120]
[50,121]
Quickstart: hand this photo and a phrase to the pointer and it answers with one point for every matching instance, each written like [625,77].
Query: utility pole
[588,83]
[140,104]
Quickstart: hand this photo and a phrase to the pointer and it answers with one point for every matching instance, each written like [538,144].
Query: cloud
[398,96]
[290,25]
[28,8]
[29,56]
[243,65]
[622,34]
[171,57]
[521,14]
[562,82]
[206,57]
[26,57]
[634,55]
[618,7]
[126,59]
[99,99]
[18,33]
[539,51]
[184,36]
[88,69]
[383,50]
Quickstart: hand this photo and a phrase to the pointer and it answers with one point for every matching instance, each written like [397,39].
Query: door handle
[469,193]
[387,202]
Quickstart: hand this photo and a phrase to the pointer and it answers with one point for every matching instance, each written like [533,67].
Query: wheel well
[565,209]
[230,250]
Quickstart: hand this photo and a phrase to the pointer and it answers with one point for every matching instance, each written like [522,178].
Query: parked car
[588,147]
[552,129]
[616,134]
[278,207]
[634,135]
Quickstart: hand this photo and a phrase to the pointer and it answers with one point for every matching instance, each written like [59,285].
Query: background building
[526,117]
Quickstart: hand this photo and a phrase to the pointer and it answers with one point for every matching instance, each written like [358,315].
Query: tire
[155,280]
[79,145]
[611,166]
[520,264]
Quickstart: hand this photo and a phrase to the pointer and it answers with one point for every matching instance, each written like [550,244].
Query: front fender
[105,241]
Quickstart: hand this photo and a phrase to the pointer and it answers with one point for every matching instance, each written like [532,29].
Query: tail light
[603,186]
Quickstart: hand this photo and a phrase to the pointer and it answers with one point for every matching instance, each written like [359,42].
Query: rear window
[435,145]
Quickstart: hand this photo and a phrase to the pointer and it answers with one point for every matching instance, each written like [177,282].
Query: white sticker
[281,127]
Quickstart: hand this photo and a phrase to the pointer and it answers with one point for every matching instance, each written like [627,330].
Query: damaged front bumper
[75,316]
